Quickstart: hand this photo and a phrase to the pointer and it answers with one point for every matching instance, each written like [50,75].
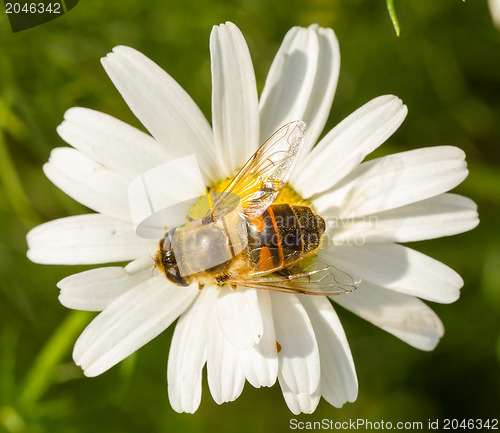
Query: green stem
[8,343]
[40,376]
[13,188]
[392,14]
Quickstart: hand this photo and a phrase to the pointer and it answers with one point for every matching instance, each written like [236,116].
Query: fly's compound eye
[169,258]
[165,257]
[166,242]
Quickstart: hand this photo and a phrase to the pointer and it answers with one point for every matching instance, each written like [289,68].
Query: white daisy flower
[248,334]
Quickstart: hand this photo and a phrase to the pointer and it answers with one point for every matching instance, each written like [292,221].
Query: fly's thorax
[207,247]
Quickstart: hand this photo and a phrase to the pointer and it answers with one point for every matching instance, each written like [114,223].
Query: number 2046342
[33,8]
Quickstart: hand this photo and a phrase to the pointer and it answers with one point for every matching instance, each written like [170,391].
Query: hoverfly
[247,241]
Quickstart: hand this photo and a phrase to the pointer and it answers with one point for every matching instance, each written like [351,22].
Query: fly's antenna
[155,263]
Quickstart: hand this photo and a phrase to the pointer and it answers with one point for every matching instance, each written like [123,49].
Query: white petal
[163,107]
[129,323]
[139,264]
[301,82]
[339,383]
[300,403]
[325,83]
[224,372]
[235,110]
[404,316]
[298,350]
[94,290]
[260,361]
[111,142]
[346,145]
[239,316]
[88,182]
[188,353]
[444,215]
[398,268]
[290,81]
[395,180]
[494,6]
[85,239]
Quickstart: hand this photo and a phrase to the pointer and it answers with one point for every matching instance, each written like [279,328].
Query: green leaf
[392,14]
[10,420]
[8,344]
[13,189]
[40,376]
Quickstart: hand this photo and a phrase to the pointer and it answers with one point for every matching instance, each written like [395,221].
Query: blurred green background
[446,68]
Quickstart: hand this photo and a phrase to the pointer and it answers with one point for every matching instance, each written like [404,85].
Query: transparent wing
[308,276]
[262,178]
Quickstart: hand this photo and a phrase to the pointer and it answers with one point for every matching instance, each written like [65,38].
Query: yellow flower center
[201,206]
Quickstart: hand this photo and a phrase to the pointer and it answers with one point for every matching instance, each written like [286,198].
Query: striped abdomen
[283,234]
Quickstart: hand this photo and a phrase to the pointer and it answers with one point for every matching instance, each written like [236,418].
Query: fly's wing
[262,178]
[308,276]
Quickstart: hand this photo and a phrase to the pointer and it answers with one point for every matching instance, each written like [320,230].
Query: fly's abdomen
[283,234]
